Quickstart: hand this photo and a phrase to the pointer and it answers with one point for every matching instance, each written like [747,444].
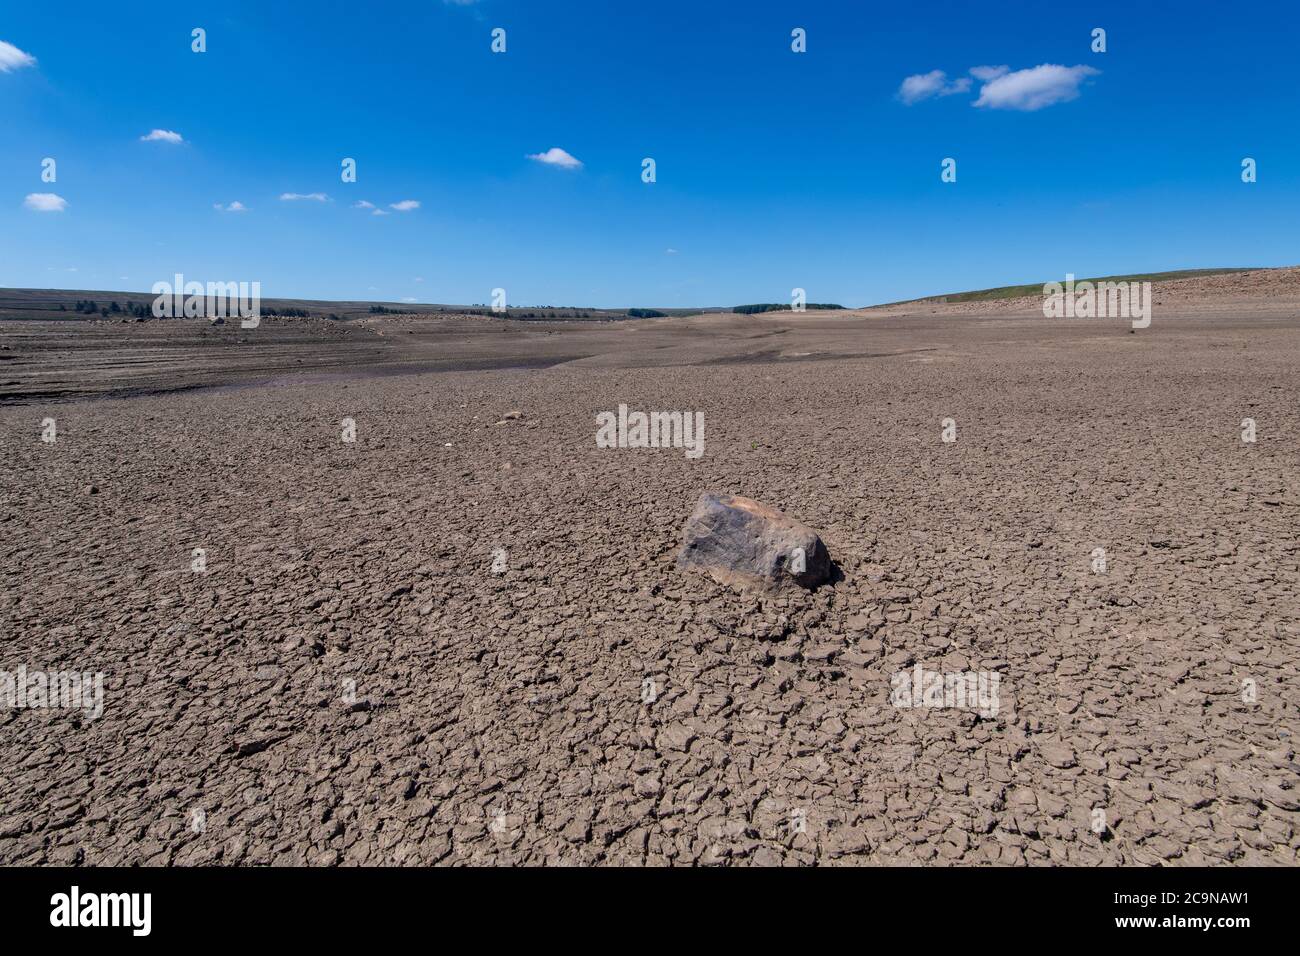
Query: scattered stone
[742,542]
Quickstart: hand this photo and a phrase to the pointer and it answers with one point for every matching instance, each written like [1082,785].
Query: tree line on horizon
[782,307]
[90,307]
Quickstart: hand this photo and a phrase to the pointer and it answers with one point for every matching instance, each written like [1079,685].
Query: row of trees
[525,312]
[518,313]
[781,307]
[90,307]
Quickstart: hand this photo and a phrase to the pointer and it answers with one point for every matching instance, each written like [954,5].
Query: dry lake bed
[370,593]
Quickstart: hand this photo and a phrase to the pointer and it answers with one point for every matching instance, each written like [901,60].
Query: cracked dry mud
[351,682]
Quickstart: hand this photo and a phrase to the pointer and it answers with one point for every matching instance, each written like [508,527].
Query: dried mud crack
[463,637]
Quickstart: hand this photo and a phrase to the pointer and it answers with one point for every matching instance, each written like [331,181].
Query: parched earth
[462,637]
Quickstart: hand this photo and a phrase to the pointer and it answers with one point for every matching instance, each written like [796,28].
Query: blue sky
[774,169]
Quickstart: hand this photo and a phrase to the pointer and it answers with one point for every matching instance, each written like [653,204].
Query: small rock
[742,542]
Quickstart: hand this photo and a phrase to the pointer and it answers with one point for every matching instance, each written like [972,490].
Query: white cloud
[419,279]
[557,157]
[409,299]
[12,58]
[295,197]
[161,136]
[45,202]
[1034,88]
[235,206]
[406,205]
[986,73]
[922,86]
[670,252]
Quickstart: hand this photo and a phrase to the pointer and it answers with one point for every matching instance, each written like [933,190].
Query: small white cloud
[45,202]
[557,157]
[670,252]
[12,58]
[380,212]
[409,299]
[406,205]
[986,73]
[1034,88]
[922,86]
[297,197]
[161,136]
[363,204]
[235,206]
[419,279]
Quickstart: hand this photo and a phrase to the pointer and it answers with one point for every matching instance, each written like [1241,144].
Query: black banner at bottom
[337,906]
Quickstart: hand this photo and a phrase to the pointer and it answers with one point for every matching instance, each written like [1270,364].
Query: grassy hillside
[1036,288]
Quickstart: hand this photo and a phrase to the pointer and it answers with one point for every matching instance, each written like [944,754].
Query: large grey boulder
[742,542]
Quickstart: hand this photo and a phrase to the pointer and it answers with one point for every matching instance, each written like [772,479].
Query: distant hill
[47,304]
[1036,288]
